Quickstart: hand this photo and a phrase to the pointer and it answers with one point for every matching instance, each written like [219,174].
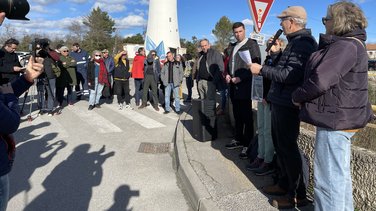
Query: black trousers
[60,94]
[242,110]
[285,132]
[122,91]
[189,83]
[149,82]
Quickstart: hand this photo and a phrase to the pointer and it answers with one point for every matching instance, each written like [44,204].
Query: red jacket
[138,67]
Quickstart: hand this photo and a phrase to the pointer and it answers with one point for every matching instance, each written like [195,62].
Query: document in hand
[246,56]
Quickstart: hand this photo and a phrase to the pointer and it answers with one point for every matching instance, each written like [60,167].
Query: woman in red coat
[138,73]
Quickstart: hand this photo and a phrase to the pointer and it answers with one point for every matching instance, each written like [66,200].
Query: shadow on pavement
[69,185]
[121,198]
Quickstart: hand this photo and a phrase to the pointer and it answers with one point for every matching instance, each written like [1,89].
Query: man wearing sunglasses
[9,93]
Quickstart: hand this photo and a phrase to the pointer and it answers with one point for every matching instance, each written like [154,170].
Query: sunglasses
[325,19]
[65,51]
[97,55]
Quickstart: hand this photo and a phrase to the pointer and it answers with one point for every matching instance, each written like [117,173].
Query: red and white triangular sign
[259,10]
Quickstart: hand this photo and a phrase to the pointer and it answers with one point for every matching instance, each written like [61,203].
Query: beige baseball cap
[295,12]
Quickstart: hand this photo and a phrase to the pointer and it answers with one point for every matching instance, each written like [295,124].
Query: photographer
[9,112]
[46,83]
[10,67]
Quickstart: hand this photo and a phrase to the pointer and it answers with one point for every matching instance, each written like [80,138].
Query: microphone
[276,36]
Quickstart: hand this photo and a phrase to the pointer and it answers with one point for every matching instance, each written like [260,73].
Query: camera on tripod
[40,47]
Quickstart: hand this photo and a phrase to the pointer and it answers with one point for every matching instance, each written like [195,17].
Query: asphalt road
[92,160]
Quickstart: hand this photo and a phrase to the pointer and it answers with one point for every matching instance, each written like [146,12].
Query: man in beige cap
[287,73]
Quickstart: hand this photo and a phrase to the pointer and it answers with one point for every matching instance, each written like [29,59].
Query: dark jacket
[7,62]
[156,68]
[242,90]
[288,73]
[121,71]
[9,122]
[335,89]
[82,58]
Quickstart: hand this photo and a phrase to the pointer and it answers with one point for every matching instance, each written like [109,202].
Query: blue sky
[196,17]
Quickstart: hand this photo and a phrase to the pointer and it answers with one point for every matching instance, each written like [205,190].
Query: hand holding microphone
[274,40]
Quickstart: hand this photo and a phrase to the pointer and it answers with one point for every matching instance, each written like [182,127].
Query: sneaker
[179,112]
[156,108]
[243,155]
[233,144]
[97,105]
[50,113]
[120,106]
[255,164]
[90,107]
[274,190]
[166,112]
[265,169]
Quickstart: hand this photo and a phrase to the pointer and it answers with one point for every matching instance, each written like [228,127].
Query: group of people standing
[323,84]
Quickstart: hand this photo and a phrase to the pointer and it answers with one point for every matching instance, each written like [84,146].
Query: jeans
[168,89]
[331,170]
[265,141]
[138,90]
[96,94]
[224,93]
[4,192]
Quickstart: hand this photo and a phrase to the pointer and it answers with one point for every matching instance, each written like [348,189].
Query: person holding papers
[239,78]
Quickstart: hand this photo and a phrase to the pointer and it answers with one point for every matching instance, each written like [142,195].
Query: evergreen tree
[100,28]
[223,33]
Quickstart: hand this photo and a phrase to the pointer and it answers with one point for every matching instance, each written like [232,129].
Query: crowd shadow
[31,155]
[121,198]
[69,185]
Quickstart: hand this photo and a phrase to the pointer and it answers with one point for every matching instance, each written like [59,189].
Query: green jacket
[68,72]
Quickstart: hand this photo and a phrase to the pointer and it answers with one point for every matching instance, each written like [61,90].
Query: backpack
[56,69]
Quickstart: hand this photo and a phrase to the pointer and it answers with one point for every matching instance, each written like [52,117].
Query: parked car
[371,65]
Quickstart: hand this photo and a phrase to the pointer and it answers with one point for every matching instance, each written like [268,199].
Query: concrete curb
[197,194]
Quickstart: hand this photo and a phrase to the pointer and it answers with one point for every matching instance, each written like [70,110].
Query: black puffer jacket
[288,74]
[242,90]
[335,89]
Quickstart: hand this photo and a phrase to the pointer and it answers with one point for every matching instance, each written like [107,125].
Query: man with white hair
[286,76]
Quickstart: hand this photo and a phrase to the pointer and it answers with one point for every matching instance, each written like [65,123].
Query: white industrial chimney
[162,33]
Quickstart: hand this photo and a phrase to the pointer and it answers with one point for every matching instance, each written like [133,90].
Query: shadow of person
[30,156]
[121,199]
[24,134]
[69,185]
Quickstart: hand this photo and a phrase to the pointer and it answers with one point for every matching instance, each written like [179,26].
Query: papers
[246,56]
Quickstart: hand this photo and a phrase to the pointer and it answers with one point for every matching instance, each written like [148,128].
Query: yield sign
[259,10]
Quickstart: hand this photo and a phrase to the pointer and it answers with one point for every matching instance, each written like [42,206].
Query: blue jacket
[82,58]
[9,122]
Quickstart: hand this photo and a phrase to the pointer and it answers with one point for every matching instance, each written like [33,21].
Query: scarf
[236,48]
[103,75]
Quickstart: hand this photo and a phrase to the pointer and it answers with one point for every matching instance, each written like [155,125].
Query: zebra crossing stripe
[95,120]
[138,118]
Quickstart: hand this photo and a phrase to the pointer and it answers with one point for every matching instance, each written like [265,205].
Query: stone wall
[363,163]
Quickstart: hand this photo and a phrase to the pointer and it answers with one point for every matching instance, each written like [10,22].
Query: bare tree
[77,30]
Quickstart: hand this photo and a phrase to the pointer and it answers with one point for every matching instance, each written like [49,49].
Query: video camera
[15,9]
[40,47]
